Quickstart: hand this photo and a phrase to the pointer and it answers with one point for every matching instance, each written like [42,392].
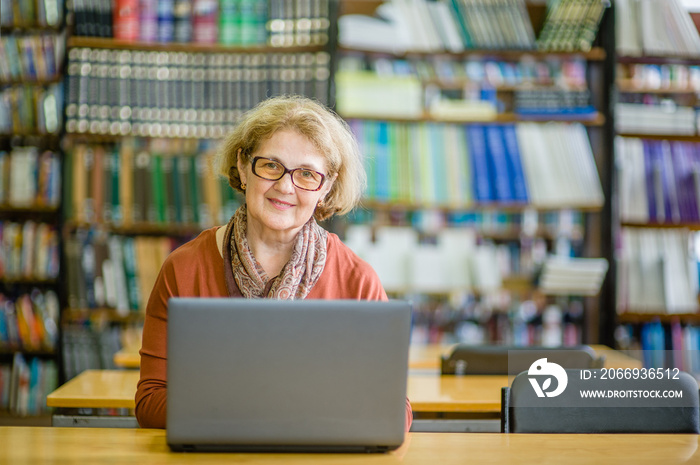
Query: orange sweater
[197,270]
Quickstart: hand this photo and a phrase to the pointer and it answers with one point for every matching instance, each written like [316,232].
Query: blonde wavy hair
[329,133]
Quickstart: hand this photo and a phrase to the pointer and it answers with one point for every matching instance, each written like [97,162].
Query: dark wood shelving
[32,81]
[460,83]
[78,315]
[29,281]
[678,137]
[597,120]
[626,86]
[115,44]
[8,351]
[659,60]
[595,54]
[30,210]
[141,228]
[691,226]
[501,207]
[30,27]
[664,317]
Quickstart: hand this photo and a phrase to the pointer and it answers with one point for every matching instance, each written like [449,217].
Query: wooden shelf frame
[189,47]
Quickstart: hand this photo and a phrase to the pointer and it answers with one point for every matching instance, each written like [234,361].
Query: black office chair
[524,410]
[503,360]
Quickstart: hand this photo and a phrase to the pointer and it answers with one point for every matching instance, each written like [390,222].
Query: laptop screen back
[286,375]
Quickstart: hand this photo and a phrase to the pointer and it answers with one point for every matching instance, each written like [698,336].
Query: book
[126,21]
[498,164]
[478,150]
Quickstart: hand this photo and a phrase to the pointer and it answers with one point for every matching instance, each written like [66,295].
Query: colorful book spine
[126,20]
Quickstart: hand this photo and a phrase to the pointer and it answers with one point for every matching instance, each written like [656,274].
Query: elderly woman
[296,162]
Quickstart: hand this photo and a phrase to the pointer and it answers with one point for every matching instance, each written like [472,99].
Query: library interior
[532,168]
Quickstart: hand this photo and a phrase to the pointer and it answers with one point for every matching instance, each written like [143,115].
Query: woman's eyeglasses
[303,178]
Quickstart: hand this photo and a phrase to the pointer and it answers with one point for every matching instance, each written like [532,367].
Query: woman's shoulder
[202,247]
[337,250]
[344,260]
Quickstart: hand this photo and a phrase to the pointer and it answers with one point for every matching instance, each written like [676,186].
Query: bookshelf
[406,98]
[31,56]
[657,232]
[147,99]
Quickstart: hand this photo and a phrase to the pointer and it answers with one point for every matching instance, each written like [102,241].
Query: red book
[205,18]
[126,20]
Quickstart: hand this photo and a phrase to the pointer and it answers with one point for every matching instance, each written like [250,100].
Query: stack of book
[39,13]
[572,276]
[28,251]
[29,179]
[656,274]
[26,109]
[664,118]
[673,345]
[455,263]
[571,25]
[163,183]
[659,181]
[29,322]
[374,85]
[181,94]
[230,22]
[565,71]
[649,27]
[553,104]
[449,165]
[672,77]
[24,385]
[113,271]
[497,321]
[33,57]
[86,347]
[430,26]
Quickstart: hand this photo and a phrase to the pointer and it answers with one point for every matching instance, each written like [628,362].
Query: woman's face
[279,207]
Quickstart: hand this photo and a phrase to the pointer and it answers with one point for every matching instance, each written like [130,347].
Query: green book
[156,207]
[459,12]
[185,186]
[132,282]
[249,21]
[195,189]
[168,191]
[230,22]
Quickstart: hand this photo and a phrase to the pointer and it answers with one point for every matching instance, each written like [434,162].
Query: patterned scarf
[297,277]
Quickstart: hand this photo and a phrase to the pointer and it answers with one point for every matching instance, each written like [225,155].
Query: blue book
[382,162]
[166,20]
[498,164]
[649,180]
[515,166]
[476,140]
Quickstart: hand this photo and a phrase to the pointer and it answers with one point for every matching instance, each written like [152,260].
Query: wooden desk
[128,357]
[428,393]
[434,399]
[420,357]
[427,357]
[29,445]
[97,389]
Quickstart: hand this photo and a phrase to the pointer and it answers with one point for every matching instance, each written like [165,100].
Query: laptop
[286,376]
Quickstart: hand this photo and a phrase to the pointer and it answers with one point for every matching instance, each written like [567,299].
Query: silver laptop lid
[290,375]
